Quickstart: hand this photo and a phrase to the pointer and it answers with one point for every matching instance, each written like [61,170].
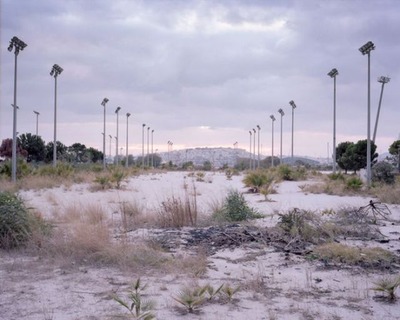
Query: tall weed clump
[17,224]
[258,180]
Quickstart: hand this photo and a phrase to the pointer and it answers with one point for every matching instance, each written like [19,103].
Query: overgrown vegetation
[17,224]
[388,286]
[235,208]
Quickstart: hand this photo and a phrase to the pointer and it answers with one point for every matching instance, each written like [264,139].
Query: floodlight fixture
[291,102]
[367,48]
[272,117]
[103,103]
[16,44]
[56,70]
[281,112]
[333,73]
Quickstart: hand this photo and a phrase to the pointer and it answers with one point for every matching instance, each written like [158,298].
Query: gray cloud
[180,65]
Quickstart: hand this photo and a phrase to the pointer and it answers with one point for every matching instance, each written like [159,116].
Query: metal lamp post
[148,149]
[333,73]
[152,145]
[18,45]
[251,155]
[116,147]
[282,114]
[37,122]
[293,107]
[254,148]
[272,154]
[143,125]
[382,80]
[366,49]
[127,135]
[110,143]
[55,71]
[258,142]
[103,103]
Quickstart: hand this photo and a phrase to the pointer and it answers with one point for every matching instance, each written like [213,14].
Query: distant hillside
[219,157]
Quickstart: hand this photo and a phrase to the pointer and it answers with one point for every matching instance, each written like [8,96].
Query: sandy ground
[274,285]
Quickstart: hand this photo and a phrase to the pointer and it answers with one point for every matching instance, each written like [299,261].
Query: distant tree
[61,152]
[77,152]
[33,145]
[353,156]
[207,166]
[187,165]
[6,149]
[394,150]
[94,155]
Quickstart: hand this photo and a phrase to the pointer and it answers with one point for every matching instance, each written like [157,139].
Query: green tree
[77,152]
[345,155]
[33,145]
[94,154]
[394,150]
[353,156]
[61,151]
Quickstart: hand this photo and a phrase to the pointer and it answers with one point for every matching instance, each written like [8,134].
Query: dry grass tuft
[388,193]
[366,257]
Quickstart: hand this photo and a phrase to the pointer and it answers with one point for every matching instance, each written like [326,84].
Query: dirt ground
[273,283]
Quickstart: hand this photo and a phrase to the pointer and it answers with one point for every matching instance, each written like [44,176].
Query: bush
[354,183]
[383,172]
[235,208]
[257,179]
[16,223]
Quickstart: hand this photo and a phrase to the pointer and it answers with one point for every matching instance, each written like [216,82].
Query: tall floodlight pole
[152,145]
[282,114]
[148,149]
[18,45]
[272,154]
[110,143]
[258,142]
[293,107]
[127,135]
[143,125]
[251,155]
[333,73]
[103,103]
[254,148]
[116,147]
[37,122]
[366,49]
[382,80]
[55,71]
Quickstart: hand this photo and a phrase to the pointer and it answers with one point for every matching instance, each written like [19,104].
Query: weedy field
[200,245]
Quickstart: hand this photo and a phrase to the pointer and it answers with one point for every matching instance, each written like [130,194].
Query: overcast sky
[202,73]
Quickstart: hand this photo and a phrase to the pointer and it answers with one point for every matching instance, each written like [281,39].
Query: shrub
[17,224]
[354,183]
[257,180]
[235,208]
[336,176]
[383,172]
[176,213]
[388,286]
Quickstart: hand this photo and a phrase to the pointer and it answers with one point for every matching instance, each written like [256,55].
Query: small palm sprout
[388,286]
[139,308]
[230,291]
[191,298]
